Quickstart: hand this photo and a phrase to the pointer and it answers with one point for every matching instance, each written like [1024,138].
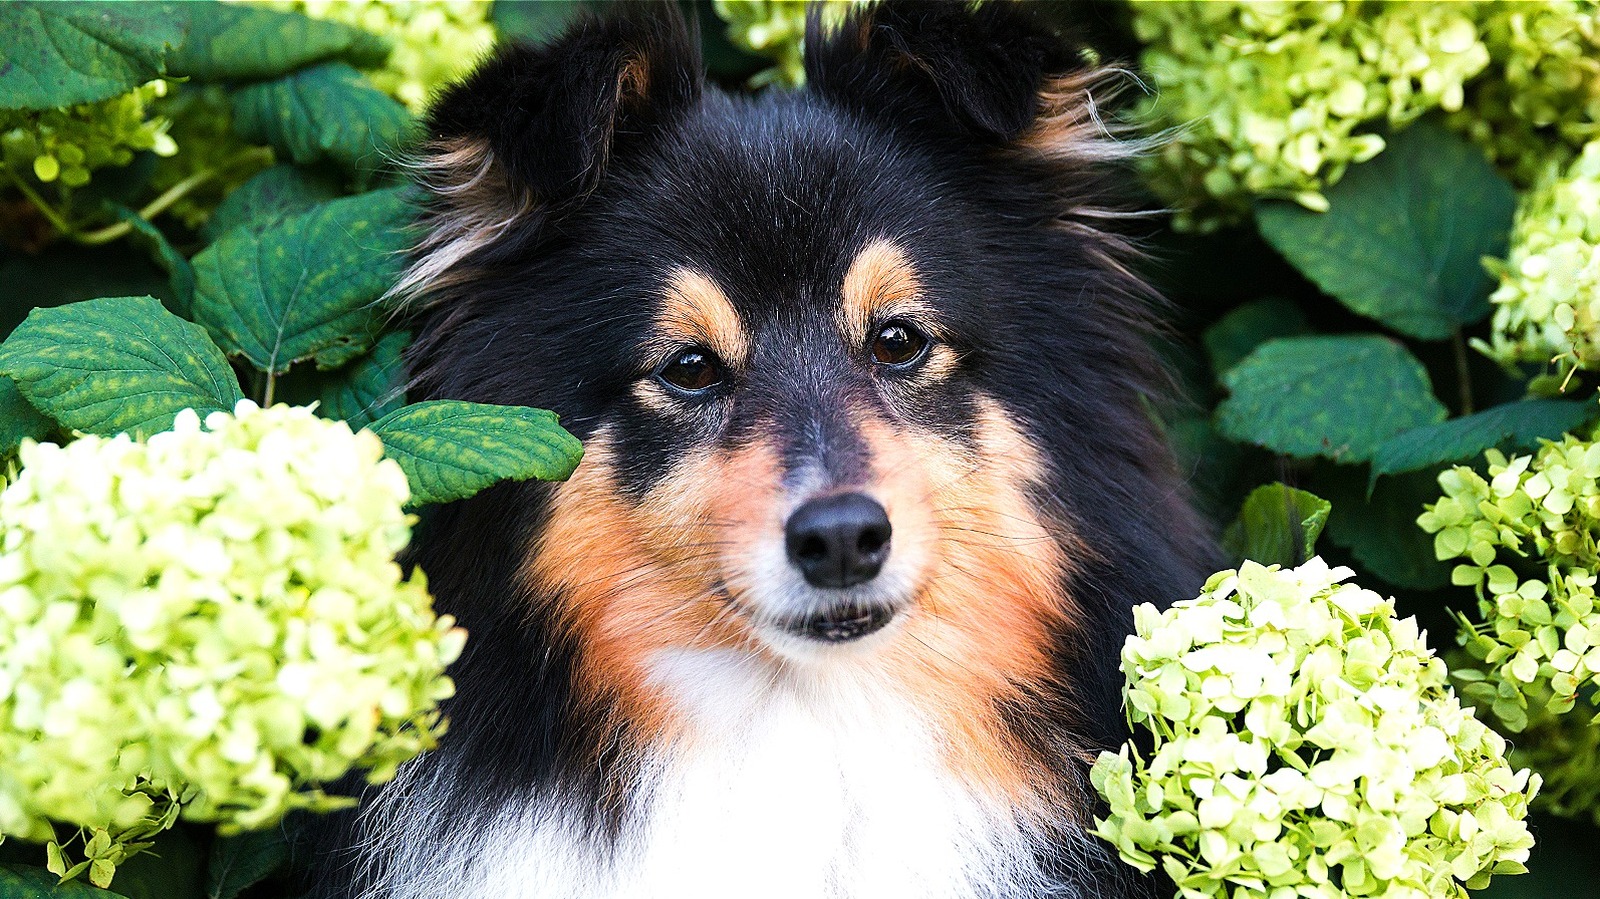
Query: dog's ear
[984,71]
[530,133]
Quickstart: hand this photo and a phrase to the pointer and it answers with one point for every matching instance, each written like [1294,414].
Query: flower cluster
[435,41]
[1305,743]
[1547,307]
[1526,537]
[68,143]
[1540,99]
[1277,99]
[213,616]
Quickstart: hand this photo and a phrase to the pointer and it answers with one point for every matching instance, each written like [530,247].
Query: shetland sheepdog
[832,607]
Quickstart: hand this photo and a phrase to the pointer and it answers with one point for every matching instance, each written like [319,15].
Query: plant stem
[45,209]
[168,197]
[266,393]
[1463,373]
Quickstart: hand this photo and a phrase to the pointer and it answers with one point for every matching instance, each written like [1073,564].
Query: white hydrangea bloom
[214,614]
[1305,745]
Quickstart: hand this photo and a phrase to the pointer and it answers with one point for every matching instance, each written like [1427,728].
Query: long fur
[626,723]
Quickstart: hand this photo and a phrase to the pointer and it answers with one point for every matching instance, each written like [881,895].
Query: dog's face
[834,354]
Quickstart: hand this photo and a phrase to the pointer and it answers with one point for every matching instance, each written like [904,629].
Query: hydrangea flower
[66,144]
[209,620]
[1277,99]
[1547,307]
[1526,535]
[1305,744]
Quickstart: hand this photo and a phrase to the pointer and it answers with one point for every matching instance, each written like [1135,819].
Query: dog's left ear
[949,66]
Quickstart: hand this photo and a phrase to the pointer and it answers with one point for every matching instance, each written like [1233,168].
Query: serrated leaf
[359,393]
[1522,424]
[62,53]
[450,450]
[26,882]
[122,364]
[241,861]
[1381,531]
[1404,235]
[1277,524]
[228,42]
[1247,327]
[325,112]
[1337,397]
[269,197]
[304,287]
[18,418]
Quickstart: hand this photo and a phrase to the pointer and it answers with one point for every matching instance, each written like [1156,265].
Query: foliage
[209,623]
[1306,743]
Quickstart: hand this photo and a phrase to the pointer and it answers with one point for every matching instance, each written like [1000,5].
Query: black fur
[907,130]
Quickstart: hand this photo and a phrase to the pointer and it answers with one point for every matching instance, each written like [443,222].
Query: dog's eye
[693,371]
[899,343]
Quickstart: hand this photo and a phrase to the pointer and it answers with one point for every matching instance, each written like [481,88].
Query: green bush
[1383,260]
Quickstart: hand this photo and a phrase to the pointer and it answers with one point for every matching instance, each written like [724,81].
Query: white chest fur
[805,787]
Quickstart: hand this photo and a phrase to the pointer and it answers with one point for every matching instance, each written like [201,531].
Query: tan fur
[882,284]
[695,312]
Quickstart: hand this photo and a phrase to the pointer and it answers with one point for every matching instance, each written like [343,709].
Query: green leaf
[18,418]
[1277,524]
[1338,397]
[180,273]
[326,112]
[62,53]
[27,882]
[114,365]
[268,197]
[1523,424]
[1381,530]
[359,393]
[450,450]
[535,22]
[303,288]
[170,869]
[68,273]
[229,42]
[1247,327]
[1404,236]
[244,860]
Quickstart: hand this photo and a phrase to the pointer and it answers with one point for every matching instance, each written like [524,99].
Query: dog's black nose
[838,541]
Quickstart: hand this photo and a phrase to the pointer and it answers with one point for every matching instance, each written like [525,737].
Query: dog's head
[858,372]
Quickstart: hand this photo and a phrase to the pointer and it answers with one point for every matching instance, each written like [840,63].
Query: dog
[832,607]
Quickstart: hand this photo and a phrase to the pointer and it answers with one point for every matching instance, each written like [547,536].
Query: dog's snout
[838,541]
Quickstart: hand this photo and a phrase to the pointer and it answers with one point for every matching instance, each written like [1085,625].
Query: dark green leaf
[1381,531]
[1277,525]
[359,393]
[1522,424]
[18,418]
[244,860]
[62,53]
[118,364]
[1338,397]
[230,42]
[1405,232]
[304,287]
[326,112]
[268,197]
[179,272]
[67,273]
[171,869]
[450,450]
[1247,327]
[26,882]
[534,21]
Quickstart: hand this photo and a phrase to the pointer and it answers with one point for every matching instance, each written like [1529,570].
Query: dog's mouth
[841,624]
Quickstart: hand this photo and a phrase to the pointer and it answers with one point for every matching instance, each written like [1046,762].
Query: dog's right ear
[531,131]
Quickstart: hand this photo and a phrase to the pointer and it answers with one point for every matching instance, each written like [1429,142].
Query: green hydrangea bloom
[1539,102]
[776,29]
[1547,307]
[1526,535]
[1277,99]
[435,41]
[64,145]
[213,619]
[1305,744]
